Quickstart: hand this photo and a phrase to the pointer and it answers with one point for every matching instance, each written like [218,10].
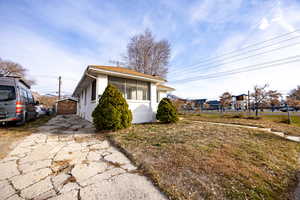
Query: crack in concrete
[18,167]
[17,191]
[78,195]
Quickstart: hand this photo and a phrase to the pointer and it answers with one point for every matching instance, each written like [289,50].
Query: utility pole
[59,87]
[288,114]
[249,102]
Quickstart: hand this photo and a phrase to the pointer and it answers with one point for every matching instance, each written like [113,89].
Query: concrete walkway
[65,160]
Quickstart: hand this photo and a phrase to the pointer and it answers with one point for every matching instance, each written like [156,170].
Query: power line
[249,66]
[242,69]
[205,63]
[252,45]
[243,58]
[56,77]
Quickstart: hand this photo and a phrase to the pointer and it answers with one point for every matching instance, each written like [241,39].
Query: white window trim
[135,100]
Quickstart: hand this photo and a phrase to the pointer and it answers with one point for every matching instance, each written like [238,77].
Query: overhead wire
[243,58]
[187,69]
[274,63]
[246,47]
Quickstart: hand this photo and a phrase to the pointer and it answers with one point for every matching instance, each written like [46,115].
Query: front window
[7,93]
[131,89]
[118,83]
[142,90]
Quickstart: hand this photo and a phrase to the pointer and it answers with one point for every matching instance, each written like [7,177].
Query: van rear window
[7,93]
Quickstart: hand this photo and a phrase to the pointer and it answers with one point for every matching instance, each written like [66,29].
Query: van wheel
[23,121]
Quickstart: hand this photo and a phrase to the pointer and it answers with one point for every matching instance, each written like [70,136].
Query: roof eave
[125,75]
[78,84]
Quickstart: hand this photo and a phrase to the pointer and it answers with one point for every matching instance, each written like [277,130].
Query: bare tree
[225,100]
[9,68]
[293,99]
[273,99]
[148,56]
[262,97]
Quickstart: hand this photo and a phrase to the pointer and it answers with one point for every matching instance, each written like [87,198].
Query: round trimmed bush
[112,112]
[166,112]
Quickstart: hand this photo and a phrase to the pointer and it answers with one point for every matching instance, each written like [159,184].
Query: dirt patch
[10,135]
[61,166]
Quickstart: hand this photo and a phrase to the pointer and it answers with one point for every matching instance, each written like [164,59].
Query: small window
[29,96]
[85,96]
[157,96]
[93,96]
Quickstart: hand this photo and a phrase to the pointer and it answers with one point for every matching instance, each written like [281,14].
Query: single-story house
[66,106]
[141,91]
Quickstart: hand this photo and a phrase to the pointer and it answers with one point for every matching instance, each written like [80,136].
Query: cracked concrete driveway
[65,160]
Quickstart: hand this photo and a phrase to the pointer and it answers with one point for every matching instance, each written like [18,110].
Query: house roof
[125,71]
[213,102]
[164,87]
[114,71]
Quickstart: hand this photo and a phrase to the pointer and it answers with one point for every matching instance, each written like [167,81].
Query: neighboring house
[142,91]
[239,102]
[199,103]
[66,106]
[213,105]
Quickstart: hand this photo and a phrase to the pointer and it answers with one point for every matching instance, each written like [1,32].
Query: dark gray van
[16,101]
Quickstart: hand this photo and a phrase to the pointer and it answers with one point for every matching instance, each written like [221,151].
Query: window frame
[146,86]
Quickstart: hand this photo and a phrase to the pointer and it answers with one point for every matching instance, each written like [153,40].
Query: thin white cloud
[264,24]
[214,12]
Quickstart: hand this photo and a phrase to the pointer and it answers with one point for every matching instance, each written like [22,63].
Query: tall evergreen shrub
[112,112]
[166,112]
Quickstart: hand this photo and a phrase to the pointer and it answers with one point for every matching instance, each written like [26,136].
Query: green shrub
[112,112]
[166,111]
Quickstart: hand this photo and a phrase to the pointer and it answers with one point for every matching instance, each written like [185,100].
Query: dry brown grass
[189,160]
[10,134]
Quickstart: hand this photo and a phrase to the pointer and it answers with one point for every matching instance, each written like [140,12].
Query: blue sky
[61,37]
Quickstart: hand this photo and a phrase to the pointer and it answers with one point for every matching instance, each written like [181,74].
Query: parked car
[16,101]
[285,109]
[40,110]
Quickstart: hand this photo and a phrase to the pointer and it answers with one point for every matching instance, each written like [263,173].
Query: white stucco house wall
[141,91]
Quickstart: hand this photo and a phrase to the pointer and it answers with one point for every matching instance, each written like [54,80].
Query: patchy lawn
[10,134]
[191,160]
[275,122]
